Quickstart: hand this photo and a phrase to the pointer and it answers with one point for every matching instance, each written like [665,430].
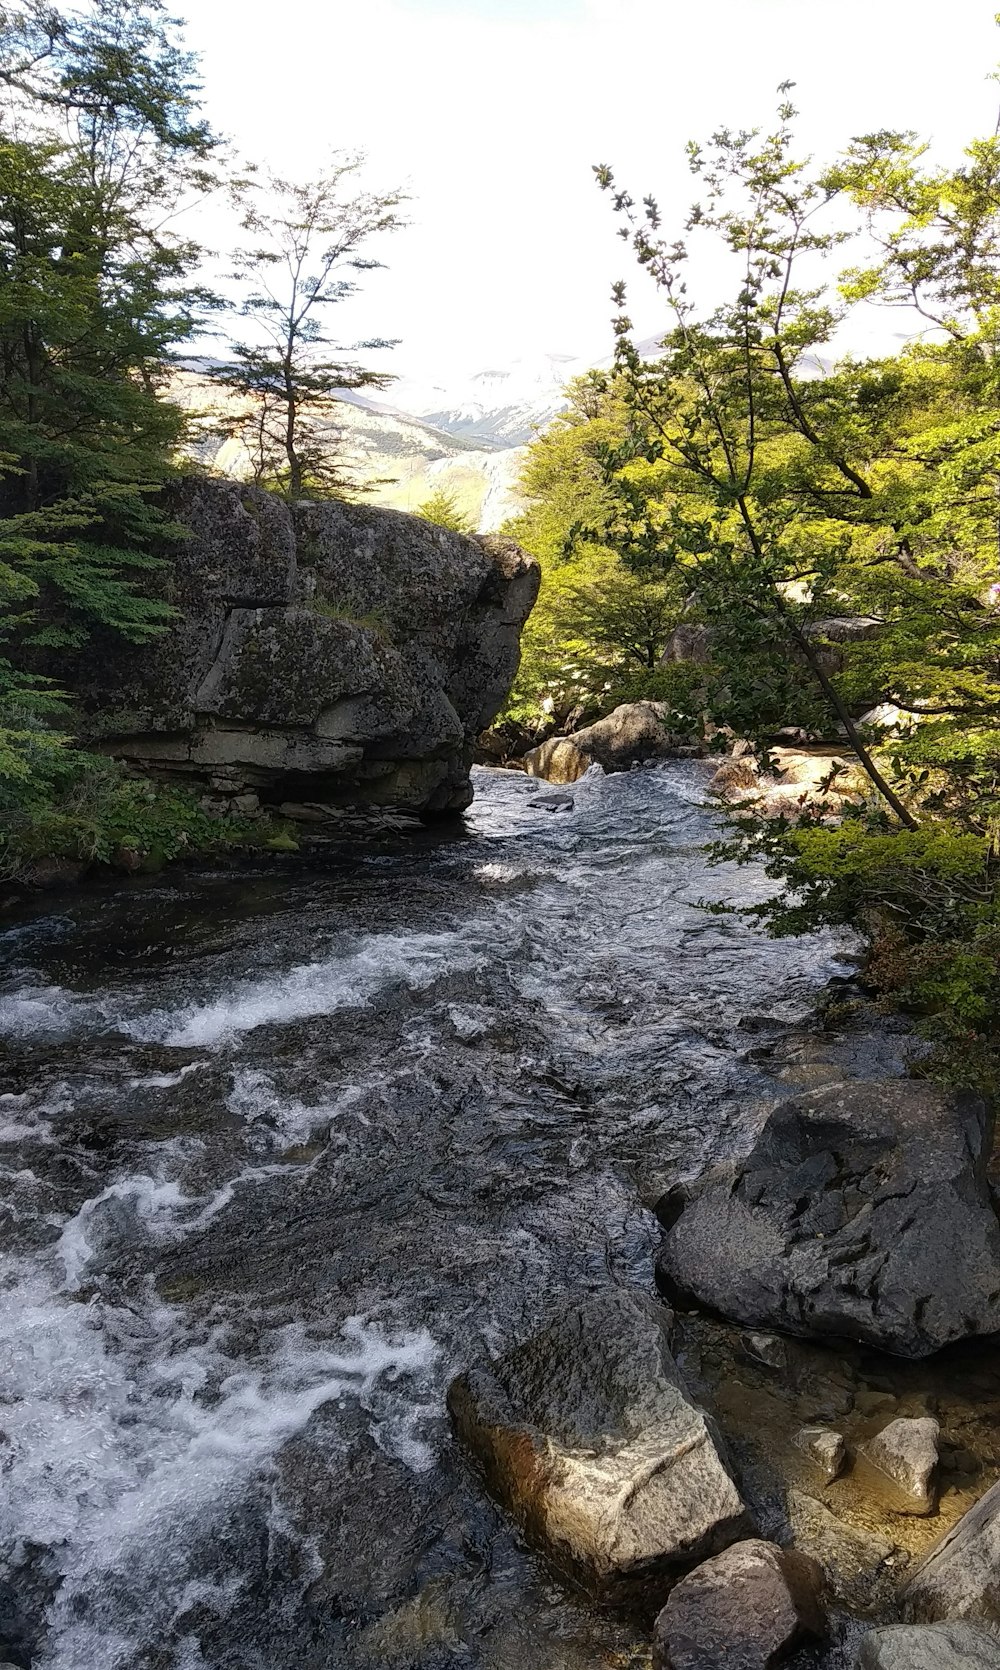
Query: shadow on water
[283,1150]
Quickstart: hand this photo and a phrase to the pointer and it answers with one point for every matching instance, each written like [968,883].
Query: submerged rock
[960,1578]
[745,1610]
[322,652]
[862,1211]
[632,733]
[588,1434]
[824,1447]
[903,1460]
[934,1647]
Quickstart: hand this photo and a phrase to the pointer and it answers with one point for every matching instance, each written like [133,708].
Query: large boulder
[960,1577]
[589,1436]
[630,735]
[936,1647]
[321,652]
[746,1609]
[863,1211]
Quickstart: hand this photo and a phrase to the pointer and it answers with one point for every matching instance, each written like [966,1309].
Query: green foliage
[83,807]
[97,145]
[781,490]
[685,687]
[308,240]
[928,902]
[597,622]
[442,509]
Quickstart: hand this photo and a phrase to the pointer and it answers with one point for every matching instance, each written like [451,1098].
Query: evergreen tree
[442,509]
[99,143]
[309,240]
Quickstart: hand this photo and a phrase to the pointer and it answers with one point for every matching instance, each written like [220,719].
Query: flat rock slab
[960,1578]
[901,1462]
[863,1211]
[932,1647]
[589,1436]
[746,1609]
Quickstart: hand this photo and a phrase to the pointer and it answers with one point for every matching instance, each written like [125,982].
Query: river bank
[285,1149]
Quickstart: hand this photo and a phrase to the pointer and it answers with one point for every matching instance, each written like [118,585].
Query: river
[282,1150]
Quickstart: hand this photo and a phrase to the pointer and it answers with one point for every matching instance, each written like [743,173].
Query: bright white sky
[491,112]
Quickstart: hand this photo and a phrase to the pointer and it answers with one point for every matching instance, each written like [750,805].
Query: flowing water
[282,1151]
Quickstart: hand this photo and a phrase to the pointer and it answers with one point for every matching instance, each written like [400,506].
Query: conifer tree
[309,240]
[100,144]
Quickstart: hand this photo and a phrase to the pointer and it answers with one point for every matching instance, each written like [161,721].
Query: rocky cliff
[322,653]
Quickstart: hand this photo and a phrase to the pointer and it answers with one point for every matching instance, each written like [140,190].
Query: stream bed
[282,1150]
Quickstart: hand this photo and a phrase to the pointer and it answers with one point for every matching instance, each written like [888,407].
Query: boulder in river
[746,1609]
[862,1211]
[589,1436]
[320,653]
[956,1646]
[960,1577]
[825,1448]
[631,734]
[902,1462]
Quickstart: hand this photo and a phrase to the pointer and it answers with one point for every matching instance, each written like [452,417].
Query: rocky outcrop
[630,735]
[862,1211]
[960,1577]
[589,1436]
[747,1610]
[322,652]
[937,1647]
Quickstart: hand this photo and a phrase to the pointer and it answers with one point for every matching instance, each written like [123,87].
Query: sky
[491,113]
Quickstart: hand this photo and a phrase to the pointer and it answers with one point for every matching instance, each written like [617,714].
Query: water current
[282,1151]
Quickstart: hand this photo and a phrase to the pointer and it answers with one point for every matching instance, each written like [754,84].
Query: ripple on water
[425,1088]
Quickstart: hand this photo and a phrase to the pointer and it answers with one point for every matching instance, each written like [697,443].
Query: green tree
[309,240]
[99,144]
[442,509]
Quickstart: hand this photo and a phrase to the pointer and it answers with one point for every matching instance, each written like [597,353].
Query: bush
[84,807]
[928,902]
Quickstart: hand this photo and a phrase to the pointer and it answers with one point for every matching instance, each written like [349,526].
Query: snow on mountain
[498,406]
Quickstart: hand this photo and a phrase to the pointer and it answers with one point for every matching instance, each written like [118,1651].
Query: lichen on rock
[321,652]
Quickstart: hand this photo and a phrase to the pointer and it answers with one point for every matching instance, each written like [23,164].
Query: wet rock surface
[955,1646]
[326,652]
[746,1609]
[961,1576]
[863,1211]
[902,1462]
[825,1448]
[630,735]
[590,1437]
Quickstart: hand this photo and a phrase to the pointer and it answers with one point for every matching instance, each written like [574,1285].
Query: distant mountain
[400,458]
[500,407]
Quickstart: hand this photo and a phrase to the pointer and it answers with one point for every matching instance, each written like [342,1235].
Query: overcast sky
[491,112]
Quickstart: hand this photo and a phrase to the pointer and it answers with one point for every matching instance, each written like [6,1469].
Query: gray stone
[960,1577]
[589,1436]
[824,1447]
[745,1609]
[634,732]
[902,1461]
[863,1211]
[553,803]
[935,1647]
[319,652]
